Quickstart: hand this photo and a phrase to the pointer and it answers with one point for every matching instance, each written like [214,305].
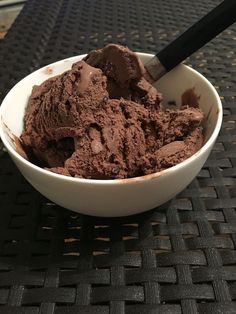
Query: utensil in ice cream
[192,39]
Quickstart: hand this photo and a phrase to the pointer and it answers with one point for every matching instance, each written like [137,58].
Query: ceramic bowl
[118,197]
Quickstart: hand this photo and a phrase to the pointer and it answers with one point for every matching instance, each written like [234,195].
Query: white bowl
[119,197]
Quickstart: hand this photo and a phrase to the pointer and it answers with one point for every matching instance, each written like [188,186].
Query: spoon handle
[195,37]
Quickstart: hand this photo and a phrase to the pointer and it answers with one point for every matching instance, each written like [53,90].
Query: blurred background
[9,9]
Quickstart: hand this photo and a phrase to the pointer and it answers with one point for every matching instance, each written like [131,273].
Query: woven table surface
[178,258]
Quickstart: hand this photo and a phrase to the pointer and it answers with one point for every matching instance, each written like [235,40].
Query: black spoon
[192,39]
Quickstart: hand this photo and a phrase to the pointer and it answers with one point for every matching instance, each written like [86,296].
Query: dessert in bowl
[122,151]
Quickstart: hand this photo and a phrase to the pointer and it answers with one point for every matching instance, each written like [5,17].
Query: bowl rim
[140,179]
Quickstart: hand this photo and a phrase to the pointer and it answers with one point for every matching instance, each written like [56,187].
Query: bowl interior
[172,86]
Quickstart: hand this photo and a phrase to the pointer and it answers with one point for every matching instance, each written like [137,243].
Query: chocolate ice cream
[103,120]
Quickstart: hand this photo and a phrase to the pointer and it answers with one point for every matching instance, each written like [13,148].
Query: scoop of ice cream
[111,147]
[117,62]
[58,108]
[124,72]
[175,152]
[102,120]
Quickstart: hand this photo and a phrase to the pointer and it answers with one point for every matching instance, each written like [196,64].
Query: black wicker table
[179,258]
